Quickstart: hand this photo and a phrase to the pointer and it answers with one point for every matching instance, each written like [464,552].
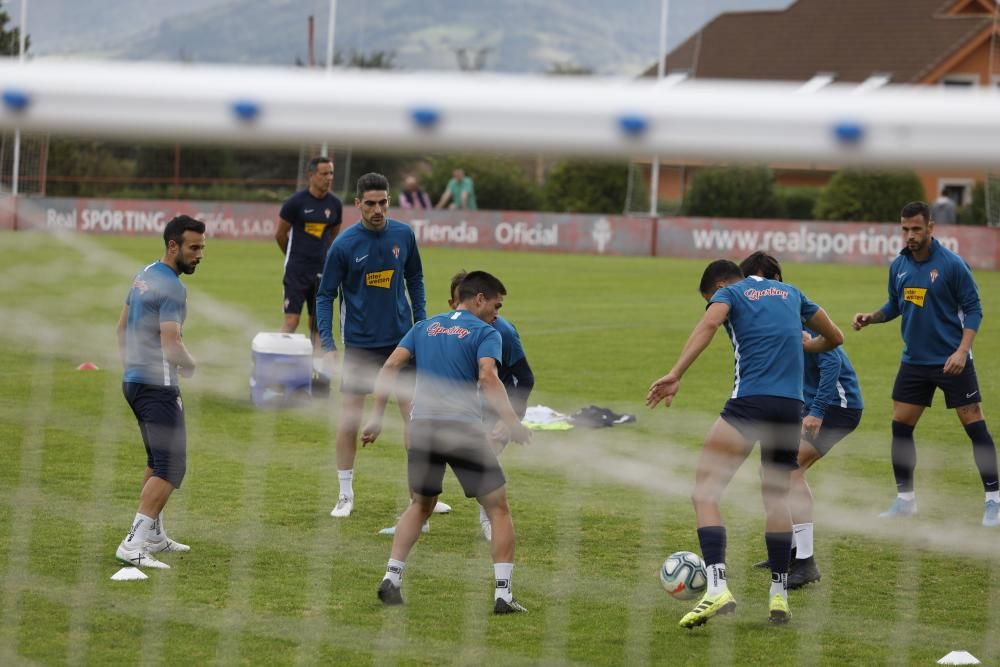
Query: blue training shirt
[447,349]
[157,295]
[511,350]
[314,223]
[830,380]
[765,328]
[369,269]
[937,298]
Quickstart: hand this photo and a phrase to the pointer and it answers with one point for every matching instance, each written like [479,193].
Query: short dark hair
[316,162]
[720,269]
[174,230]
[915,208]
[371,181]
[480,282]
[456,280]
[761,264]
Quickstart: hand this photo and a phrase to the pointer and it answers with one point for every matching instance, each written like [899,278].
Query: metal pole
[23,35]
[661,57]
[329,53]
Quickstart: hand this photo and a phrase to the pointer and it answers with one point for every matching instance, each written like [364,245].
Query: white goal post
[410,111]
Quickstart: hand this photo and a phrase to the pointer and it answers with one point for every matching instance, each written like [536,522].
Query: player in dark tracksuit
[373,265]
[932,289]
[307,225]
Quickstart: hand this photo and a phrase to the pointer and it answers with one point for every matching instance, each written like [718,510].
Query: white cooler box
[282,369]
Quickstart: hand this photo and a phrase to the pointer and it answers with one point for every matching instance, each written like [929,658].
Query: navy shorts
[160,413]
[773,421]
[838,423]
[300,289]
[916,385]
[461,445]
[361,367]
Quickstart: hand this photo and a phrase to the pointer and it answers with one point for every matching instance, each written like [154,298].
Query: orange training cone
[87,366]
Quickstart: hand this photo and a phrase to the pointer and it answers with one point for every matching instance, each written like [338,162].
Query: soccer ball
[683,575]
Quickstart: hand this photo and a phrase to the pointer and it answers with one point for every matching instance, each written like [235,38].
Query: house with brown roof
[868,42]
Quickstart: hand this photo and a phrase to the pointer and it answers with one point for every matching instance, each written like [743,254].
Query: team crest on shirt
[327,212]
[395,251]
[140,285]
[934,275]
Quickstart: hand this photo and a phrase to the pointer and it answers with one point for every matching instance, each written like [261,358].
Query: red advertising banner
[227,220]
[826,242]
[518,230]
[709,238]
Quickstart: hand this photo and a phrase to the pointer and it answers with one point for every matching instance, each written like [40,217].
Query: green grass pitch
[273,579]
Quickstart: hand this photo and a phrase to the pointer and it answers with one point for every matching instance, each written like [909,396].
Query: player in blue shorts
[456,355]
[516,375]
[153,353]
[764,321]
[832,410]
[933,291]
[373,265]
[307,225]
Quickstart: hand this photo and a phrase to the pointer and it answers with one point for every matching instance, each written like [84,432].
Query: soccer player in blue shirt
[515,374]
[832,410]
[933,290]
[307,225]
[373,265]
[456,355]
[764,321]
[154,355]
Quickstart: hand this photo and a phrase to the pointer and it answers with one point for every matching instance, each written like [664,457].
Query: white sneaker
[442,508]
[487,529]
[139,558]
[166,545]
[345,504]
[391,530]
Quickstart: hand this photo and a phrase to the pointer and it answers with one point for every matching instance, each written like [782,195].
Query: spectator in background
[459,191]
[943,210]
[413,196]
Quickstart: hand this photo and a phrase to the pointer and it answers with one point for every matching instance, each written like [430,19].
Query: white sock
[779,587]
[156,531]
[394,572]
[503,572]
[136,536]
[482,515]
[907,495]
[716,579]
[346,478]
[803,535]
[993,495]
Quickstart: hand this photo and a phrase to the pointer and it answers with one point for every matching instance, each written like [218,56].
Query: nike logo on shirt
[360,259]
[308,210]
[972,394]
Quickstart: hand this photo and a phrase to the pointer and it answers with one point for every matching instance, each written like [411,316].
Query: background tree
[10,38]
[733,192]
[586,186]
[865,195]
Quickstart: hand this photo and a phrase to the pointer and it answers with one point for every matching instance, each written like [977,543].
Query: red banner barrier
[708,238]
[827,242]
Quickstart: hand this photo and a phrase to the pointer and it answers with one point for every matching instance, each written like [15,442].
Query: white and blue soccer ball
[683,575]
